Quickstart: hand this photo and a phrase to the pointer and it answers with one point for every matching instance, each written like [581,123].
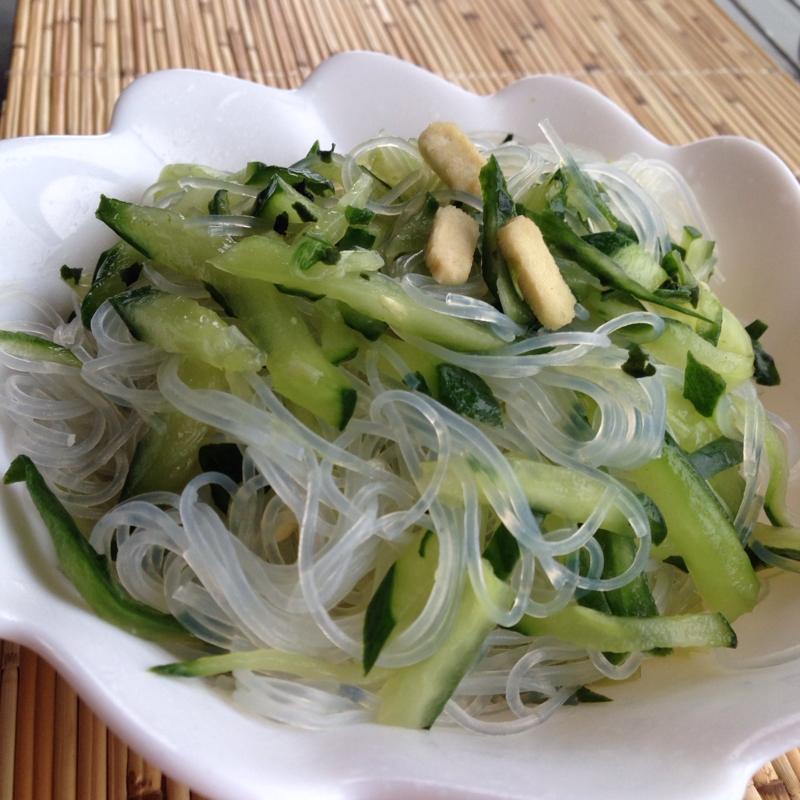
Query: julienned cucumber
[552,489]
[166,458]
[597,631]
[88,571]
[35,348]
[414,696]
[370,293]
[179,324]
[561,239]
[700,532]
[775,498]
[631,256]
[117,268]
[162,236]
[677,340]
[300,371]
[400,596]
[297,364]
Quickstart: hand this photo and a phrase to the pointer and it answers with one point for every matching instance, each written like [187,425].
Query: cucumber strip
[597,631]
[401,595]
[162,236]
[88,571]
[700,532]
[719,455]
[498,209]
[270,661]
[117,268]
[673,345]
[632,600]
[36,348]
[300,371]
[167,456]
[777,538]
[551,489]
[697,249]
[369,293]
[414,696]
[338,340]
[775,497]
[633,258]
[179,324]
[558,235]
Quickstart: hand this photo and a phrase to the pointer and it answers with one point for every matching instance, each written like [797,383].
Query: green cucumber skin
[468,394]
[299,371]
[110,278]
[26,345]
[498,210]
[370,294]
[717,456]
[775,498]
[379,620]
[414,696]
[162,236]
[598,631]
[635,598]
[298,366]
[179,324]
[167,459]
[88,571]
[551,489]
[700,532]
[401,596]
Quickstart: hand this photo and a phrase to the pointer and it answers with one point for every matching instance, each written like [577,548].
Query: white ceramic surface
[688,729]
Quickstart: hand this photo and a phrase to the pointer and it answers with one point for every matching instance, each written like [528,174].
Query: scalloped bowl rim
[723,724]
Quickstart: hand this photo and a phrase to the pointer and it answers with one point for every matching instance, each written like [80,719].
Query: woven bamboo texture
[680,67]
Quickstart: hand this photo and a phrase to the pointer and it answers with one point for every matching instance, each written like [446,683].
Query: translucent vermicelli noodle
[427,505]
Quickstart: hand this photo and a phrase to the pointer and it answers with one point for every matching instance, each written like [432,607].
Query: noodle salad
[443,429]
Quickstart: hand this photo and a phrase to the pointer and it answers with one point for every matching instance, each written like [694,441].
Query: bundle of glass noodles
[277,427]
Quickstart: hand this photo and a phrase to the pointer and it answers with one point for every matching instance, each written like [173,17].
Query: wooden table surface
[682,68]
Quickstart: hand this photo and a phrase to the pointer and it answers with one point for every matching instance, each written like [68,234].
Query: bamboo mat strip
[683,70]
[72,57]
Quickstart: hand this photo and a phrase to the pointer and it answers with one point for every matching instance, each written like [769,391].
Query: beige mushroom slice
[536,273]
[451,245]
[452,156]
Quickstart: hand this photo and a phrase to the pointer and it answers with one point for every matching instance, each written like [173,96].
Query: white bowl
[687,729]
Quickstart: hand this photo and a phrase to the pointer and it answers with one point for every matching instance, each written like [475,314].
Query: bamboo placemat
[680,67]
